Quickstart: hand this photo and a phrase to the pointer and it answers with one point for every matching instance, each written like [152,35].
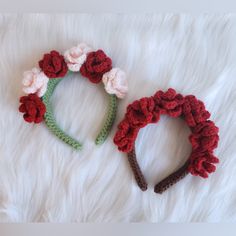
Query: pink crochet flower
[115,82]
[76,56]
[35,81]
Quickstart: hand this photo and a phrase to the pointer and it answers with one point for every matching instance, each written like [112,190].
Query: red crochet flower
[204,136]
[33,108]
[201,163]
[53,65]
[96,64]
[194,111]
[169,102]
[142,112]
[125,136]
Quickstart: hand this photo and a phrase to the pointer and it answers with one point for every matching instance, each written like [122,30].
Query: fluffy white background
[42,179]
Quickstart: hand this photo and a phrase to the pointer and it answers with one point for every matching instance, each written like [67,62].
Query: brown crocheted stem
[136,170]
[172,179]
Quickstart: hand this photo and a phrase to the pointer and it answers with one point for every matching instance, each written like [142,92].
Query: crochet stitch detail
[95,66]
[52,125]
[39,84]
[137,171]
[33,108]
[109,120]
[204,137]
[172,179]
[50,120]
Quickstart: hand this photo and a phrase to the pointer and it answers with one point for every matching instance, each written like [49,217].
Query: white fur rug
[42,179]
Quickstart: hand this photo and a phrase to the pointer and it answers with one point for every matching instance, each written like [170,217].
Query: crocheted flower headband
[204,137]
[39,84]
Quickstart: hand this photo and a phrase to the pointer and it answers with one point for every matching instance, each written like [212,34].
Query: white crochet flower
[115,82]
[35,81]
[76,56]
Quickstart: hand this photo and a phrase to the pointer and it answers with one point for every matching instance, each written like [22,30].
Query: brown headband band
[162,185]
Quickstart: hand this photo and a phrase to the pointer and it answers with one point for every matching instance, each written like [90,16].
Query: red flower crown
[204,137]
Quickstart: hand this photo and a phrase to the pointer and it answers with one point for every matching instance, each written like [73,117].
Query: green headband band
[39,84]
[54,127]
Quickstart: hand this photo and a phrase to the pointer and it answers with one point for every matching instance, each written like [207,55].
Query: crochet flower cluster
[204,137]
[94,65]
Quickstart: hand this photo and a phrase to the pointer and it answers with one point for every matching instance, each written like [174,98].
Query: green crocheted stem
[109,120]
[52,125]
[50,120]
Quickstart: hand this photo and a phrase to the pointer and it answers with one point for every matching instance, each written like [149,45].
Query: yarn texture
[93,65]
[53,65]
[115,82]
[50,120]
[33,108]
[35,81]
[52,124]
[76,56]
[204,137]
[109,120]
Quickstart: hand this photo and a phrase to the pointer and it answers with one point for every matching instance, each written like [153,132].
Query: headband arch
[204,137]
[40,83]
